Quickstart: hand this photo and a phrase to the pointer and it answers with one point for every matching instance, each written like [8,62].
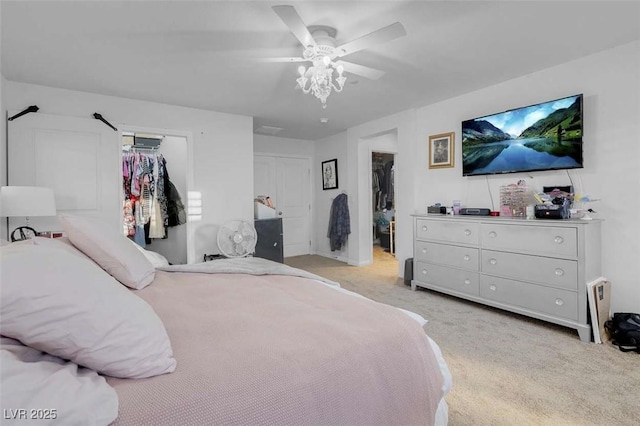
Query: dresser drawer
[447,231]
[560,273]
[551,301]
[544,240]
[455,279]
[443,254]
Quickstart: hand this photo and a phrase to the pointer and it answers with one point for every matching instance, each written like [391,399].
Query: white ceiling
[204,54]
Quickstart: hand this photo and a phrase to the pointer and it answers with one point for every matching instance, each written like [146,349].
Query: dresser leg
[585,334]
[413,286]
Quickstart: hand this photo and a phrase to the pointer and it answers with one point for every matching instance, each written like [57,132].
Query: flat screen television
[545,136]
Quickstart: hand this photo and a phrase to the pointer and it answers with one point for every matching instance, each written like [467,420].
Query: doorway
[383,209]
[148,217]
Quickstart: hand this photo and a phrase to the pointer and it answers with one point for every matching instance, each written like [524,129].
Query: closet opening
[383,208]
[154,193]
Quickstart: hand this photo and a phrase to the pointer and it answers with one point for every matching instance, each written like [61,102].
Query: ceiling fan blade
[291,18]
[361,70]
[283,60]
[380,36]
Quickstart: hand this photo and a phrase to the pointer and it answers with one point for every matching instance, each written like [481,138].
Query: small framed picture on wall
[330,174]
[441,150]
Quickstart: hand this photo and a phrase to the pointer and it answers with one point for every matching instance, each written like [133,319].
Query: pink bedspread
[281,350]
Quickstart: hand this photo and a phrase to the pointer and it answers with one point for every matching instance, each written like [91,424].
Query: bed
[136,341]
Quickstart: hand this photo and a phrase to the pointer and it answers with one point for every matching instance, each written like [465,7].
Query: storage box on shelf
[531,267]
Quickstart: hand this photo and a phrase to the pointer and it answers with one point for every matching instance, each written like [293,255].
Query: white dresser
[537,268]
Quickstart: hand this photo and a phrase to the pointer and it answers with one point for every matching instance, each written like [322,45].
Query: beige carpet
[507,369]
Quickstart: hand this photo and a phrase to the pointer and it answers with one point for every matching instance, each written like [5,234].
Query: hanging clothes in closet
[148,209]
[382,186]
[388,190]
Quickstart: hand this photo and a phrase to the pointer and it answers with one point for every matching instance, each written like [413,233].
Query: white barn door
[286,181]
[76,157]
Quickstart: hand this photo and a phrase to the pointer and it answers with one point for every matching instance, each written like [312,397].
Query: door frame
[188,135]
[310,190]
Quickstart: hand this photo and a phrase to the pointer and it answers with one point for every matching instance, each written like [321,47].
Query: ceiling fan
[320,49]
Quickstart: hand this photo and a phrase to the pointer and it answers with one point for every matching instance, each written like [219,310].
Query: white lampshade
[27,201]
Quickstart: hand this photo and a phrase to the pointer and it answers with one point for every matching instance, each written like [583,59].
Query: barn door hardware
[101,118]
[32,108]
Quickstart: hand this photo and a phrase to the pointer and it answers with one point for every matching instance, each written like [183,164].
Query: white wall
[610,82]
[3,140]
[274,145]
[328,149]
[222,152]
[3,151]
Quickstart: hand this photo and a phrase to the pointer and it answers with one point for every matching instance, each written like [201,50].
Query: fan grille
[237,238]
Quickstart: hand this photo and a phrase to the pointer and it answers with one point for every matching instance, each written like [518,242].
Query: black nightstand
[269,245]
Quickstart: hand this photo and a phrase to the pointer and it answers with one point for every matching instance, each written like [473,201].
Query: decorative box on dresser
[537,268]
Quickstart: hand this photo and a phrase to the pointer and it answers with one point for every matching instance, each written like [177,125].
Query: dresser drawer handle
[424,227]
[424,272]
[493,261]
[492,288]
[493,234]
[467,281]
[559,302]
[559,272]
[424,250]
[467,257]
[467,232]
[558,239]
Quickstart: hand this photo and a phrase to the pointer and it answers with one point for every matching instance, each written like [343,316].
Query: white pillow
[67,306]
[156,259]
[49,390]
[62,243]
[112,251]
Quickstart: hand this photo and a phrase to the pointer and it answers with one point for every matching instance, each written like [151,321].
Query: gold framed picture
[441,150]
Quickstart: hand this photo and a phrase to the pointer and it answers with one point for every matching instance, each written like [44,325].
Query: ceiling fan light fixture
[320,76]
[320,49]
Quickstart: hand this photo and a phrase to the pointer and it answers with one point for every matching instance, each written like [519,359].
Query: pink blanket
[281,350]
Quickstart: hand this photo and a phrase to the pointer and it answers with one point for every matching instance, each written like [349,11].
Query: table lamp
[27,201]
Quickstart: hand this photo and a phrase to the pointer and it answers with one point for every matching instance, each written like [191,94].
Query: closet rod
[141,148]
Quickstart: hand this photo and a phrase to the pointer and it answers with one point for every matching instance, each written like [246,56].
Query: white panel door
[293,204]
[76,157]
[286,181]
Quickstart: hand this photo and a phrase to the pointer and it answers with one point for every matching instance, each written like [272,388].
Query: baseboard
[333,256]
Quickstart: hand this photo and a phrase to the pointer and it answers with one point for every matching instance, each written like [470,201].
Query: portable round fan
[237,238]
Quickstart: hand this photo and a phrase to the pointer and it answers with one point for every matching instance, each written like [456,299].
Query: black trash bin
[408,271]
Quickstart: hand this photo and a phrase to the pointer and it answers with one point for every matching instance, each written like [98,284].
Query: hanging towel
[339,222]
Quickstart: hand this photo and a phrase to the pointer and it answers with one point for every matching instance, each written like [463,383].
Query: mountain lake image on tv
[545,136]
